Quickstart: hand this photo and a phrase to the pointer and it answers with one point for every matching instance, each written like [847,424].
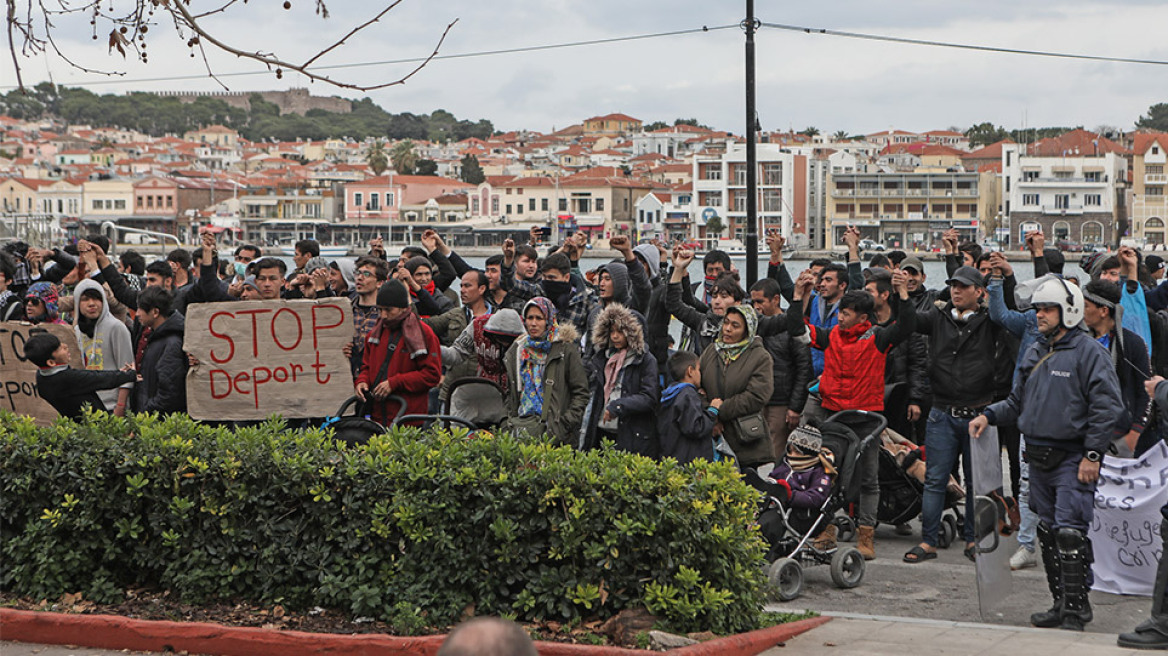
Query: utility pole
[750,25]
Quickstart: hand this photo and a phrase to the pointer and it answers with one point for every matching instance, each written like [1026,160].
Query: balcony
[1156,178]
[1060,181]
[1073,210]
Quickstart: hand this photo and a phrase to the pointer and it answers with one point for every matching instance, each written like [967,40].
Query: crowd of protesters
[587,356]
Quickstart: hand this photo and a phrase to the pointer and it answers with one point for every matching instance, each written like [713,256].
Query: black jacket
[684,427]
[164,370]
[963,369]
[792,370]
[636,408]
[657,327]
[69,390]
[908,363]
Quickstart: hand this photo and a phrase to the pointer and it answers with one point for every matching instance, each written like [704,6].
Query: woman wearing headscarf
[738,379]
[547,389]
[625,389]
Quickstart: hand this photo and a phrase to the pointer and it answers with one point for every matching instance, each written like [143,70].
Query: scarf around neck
[800,463]
[612,372]
[731,352]
[411,329]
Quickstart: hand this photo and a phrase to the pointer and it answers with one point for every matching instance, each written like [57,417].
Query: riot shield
[993,553]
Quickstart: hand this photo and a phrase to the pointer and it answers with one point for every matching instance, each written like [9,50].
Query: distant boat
[325,251]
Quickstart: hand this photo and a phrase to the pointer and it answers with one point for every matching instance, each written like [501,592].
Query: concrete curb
[115,632]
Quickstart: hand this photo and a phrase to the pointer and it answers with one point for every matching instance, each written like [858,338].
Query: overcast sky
[804,80]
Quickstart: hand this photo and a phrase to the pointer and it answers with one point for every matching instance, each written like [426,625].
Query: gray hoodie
[109,349]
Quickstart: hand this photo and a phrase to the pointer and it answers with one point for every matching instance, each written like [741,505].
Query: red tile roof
[1144,140]
[614,117]
[1076,143]
[992,151]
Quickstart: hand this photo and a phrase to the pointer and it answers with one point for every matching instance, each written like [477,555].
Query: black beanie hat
[393,294]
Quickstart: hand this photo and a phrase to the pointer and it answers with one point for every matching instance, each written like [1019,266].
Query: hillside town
[605,176]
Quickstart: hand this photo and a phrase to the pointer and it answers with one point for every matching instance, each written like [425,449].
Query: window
[563,205]
[543,204]
[738,203]
[97,204]
[1153,191]
[1093,199]
[1154,169]
[1061,229]
[600,205]
[508,206]
[1029,199]
[359,199]
[772,173]
[739,173]
[1062,175]
[1093,176]
[772,200]
[150,202]
[494,204]
[474,205]
[169,202]
[1062,201]
[1029,176]
[531,204]
[140,202]
[519,208]
[508,191]
[118,204]
[1092,233]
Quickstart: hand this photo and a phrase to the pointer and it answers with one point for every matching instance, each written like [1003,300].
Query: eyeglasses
[32,301]
[364,274]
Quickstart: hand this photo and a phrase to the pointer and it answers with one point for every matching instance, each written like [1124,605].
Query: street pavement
[945,589]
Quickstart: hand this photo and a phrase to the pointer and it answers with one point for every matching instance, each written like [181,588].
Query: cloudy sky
[804,80]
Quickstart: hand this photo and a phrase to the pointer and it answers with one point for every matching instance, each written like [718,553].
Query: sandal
[971,552]
[919,555]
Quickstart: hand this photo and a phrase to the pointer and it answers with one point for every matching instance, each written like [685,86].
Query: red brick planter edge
[115,632]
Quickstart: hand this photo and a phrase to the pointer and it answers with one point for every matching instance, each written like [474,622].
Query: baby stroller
[901,493]
[357,428]
[791,538]
[476,400]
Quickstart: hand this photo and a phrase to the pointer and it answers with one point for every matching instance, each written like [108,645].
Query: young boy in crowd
[65,388]
[685,426]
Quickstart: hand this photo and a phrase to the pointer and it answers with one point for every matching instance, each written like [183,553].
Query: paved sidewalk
[901,636]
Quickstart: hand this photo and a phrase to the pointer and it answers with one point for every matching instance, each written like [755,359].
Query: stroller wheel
[845,528]
[948,532]
[786,575]
[847,568]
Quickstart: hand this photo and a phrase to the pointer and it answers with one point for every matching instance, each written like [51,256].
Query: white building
[1072,198]
[719,185]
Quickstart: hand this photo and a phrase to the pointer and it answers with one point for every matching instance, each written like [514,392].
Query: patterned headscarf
[533,356]
[730,352]
[45,292]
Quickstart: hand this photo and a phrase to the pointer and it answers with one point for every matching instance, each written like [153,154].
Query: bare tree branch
[129,32]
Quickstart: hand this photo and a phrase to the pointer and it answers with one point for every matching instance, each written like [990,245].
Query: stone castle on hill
[292,101]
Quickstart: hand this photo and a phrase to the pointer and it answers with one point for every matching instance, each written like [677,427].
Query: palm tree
[378,160]
[405,159]
[840,135]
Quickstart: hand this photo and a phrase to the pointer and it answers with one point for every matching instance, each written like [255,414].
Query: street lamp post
[750,25]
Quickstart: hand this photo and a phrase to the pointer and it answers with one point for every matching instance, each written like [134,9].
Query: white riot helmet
[1066,295]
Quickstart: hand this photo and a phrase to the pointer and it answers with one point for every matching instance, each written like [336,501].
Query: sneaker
[1023,558]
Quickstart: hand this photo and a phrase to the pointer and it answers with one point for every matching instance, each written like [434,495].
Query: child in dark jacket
[625,386]
[805,476]
[67,389]
[685,425]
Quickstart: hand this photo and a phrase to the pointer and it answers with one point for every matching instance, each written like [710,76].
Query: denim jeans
[946,440]
[1028,529]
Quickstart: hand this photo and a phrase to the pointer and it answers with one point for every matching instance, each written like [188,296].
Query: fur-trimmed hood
[622,318]
[566,332]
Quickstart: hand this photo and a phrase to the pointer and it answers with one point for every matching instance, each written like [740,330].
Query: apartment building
[719,186]
[904,209]
[1073,197]
[1149,204]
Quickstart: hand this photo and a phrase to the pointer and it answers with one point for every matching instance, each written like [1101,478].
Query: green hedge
[413,528]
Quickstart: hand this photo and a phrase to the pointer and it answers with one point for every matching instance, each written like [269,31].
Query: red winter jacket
[411,379]
[853,369]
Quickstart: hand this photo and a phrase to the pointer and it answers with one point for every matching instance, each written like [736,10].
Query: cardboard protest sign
[18,392]
[1125,532]
[262,357]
